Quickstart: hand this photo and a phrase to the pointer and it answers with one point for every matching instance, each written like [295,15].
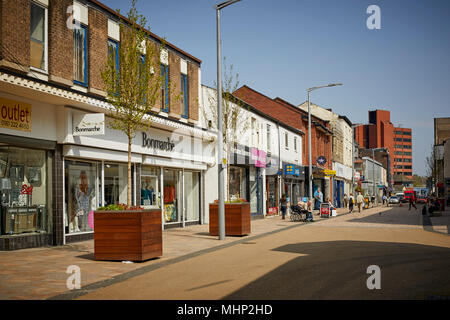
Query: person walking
[351,202]
[384,199]
[359,201]
[372,200]
[283,205]
[318,199]
[345,200]
[411,203]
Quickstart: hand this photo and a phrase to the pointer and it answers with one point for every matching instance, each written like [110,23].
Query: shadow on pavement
[338,270]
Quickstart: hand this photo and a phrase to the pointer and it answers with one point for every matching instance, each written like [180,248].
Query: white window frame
[45,37]
[269,138]
[295,145]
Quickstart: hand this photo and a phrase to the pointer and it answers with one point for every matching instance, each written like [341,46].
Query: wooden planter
[127,235]
[237,219]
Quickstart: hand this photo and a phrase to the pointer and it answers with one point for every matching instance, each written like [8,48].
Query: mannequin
[83,194]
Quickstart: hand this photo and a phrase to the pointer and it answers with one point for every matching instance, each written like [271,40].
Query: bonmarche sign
[153,143]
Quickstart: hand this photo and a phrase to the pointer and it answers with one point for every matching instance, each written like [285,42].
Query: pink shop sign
[259,158]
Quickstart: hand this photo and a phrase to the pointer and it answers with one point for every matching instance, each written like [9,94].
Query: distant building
[381,133]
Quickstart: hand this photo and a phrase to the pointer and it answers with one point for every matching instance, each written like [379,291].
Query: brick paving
[40,273]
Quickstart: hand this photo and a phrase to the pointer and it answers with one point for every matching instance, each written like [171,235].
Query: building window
[38,38]
[184,95]
[295,144]
[24,190]
[150,185]
[165,88]
[113,51]
[406,140]
[286,141]
[82,194]
[269,140]
[80,54]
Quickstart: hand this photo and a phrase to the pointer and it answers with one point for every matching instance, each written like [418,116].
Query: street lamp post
[221,165]
[309,137]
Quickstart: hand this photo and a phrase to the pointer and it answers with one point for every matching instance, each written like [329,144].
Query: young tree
[234,119]
[132,80]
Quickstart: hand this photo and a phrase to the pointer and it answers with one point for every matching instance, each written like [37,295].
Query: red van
[409,194]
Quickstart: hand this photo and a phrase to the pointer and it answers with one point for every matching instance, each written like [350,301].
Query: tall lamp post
[221,163]
[354,126]
[309,137]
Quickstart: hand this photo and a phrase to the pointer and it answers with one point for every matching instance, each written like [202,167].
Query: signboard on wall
[15,115]
[90,124]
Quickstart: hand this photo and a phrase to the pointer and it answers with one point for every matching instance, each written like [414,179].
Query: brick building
[321,135]
[50,87]
[381,133]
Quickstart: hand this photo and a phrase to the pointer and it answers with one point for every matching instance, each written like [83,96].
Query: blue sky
[281,48]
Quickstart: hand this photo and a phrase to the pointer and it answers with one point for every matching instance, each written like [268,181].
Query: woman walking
[283,204]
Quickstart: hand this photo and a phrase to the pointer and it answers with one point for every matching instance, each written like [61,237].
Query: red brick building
[295,117]
[51,56]
[381,133]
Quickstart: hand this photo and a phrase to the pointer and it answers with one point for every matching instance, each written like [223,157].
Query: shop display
[23,190]
[171,194]
[81,196]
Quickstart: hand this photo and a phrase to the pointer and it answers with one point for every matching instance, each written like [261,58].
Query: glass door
[192,195]
[172,195]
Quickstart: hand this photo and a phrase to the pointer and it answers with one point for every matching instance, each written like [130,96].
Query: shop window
[116,177]
[80,54]
[172,195]
[38,38]
[237,183]
[24,190]
[150,193]
[82,194]
[192,195]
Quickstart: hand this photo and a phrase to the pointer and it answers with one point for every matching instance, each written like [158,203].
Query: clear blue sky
[281,48]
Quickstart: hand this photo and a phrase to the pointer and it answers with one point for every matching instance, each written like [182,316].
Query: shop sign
[329,172]
[15,115]
[259,158]
[321,160]
[297,171]
[90,124]
[153,143]
[288,169]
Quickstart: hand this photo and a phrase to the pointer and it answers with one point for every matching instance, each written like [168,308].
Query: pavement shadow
[338,270]
[392,216]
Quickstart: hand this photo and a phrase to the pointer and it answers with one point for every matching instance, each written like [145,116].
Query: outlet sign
[15,115]
[159,144]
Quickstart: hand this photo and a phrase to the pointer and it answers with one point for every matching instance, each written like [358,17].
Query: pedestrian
[372,200]
[384,199]
[283,205]
[345,200]
[351,202]
[411,203]
[359,200]
[318,197]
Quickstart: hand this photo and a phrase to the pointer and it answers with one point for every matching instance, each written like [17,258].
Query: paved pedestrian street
[326,259]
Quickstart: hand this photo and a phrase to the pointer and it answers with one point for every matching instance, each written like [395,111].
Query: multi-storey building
[256,151]
[381,133]
[321,134]
[342,150]
[402,158]
[441,178]
[59,157]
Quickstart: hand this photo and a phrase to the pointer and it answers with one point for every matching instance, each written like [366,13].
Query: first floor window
[164,88]
[80,54]
[38,37]
[184,96]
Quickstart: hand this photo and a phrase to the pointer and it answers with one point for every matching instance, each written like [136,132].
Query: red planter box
[237,219]
[127,235]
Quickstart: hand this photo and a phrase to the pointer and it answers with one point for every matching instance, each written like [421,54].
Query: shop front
[272,185]
[246,177]
[27,165]
[293,183]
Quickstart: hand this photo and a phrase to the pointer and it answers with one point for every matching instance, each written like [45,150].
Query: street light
[373,170]
[309,137]
[221,208]
[356,125]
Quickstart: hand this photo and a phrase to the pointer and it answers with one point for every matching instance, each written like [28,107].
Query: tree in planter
[234,118]
[133,81]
